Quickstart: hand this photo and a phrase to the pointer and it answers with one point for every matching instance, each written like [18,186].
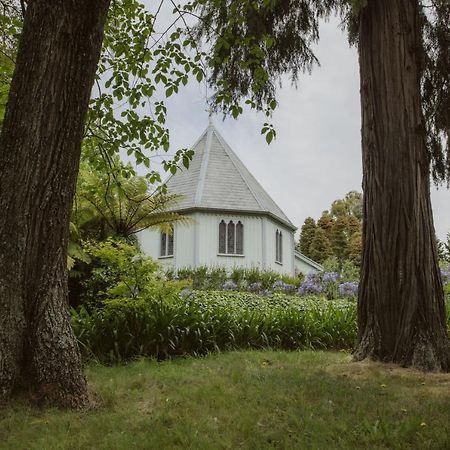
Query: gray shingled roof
[218,180]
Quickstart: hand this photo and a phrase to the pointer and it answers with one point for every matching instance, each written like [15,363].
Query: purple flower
[229,286]
[445,274]
[280,285]
[265,293]
[314,277]
[330,277]
[311,285]
[254,287]
[348,289]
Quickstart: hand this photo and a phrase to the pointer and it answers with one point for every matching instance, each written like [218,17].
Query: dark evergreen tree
[354,248]
[326,222]
[306,236]
[340,237]
[320,248]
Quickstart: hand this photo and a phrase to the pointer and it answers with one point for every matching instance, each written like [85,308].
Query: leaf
[269,136]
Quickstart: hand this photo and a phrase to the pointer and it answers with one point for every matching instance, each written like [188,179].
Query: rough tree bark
[401,303]
[39,156]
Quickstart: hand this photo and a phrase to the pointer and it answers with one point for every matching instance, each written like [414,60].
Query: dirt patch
[431,383]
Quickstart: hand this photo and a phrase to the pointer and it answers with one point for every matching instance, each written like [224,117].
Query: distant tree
[306,236]
[340,237]
[354,248]
[350,205]
[339,224]
[320,248]
[326,222]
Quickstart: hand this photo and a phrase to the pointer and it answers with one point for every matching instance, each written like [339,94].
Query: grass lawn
[253,400]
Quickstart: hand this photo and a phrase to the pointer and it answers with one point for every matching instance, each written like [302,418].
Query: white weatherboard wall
[208,241]
[197,243]
[305,265]
[183,245]
[287,265]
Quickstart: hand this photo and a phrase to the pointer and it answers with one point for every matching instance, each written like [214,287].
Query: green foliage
[10,25]
[444,249]
[350,206]
[213,278]
[111,203]
[348,271]
[320,248]
[447,292]
[255,43]
[306,236]
[138,65]
[163,324]
[340,232]
[339,238]
[116,269]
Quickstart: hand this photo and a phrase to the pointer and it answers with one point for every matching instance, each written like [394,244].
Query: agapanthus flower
[330,277]
[281,286]
[254,287]
[311,285]
[229,285]
[348,289]
[445,273]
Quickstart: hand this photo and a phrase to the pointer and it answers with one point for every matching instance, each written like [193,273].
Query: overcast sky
[316,157]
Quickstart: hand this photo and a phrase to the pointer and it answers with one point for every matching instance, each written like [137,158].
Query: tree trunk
[401,302]
[39,156]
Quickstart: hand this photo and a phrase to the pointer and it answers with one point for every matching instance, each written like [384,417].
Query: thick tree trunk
[39,156]
[401,302]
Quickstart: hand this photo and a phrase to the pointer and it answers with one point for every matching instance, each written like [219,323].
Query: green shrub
[204,278]
[163,324]
[216,278]
[447,292]
[117,269]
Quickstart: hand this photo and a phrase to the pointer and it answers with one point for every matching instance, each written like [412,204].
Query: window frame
[167,240]
[224,242]
[279,247]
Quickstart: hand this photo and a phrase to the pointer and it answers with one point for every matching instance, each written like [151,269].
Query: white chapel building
[233,221]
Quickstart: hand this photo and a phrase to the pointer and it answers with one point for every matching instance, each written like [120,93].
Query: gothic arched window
[222,237]
[278,247]
[239,238]
[231,238]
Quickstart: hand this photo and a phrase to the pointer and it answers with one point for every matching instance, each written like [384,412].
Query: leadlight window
[239,238]
[222,237]
[167,243]
[279,247]
[231,238]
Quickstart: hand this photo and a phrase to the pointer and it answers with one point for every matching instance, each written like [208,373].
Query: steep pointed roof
[218,180]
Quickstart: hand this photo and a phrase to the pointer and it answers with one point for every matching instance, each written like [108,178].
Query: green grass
[251,400]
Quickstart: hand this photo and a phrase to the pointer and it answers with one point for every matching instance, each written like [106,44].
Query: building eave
[307,260]
[236,212]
